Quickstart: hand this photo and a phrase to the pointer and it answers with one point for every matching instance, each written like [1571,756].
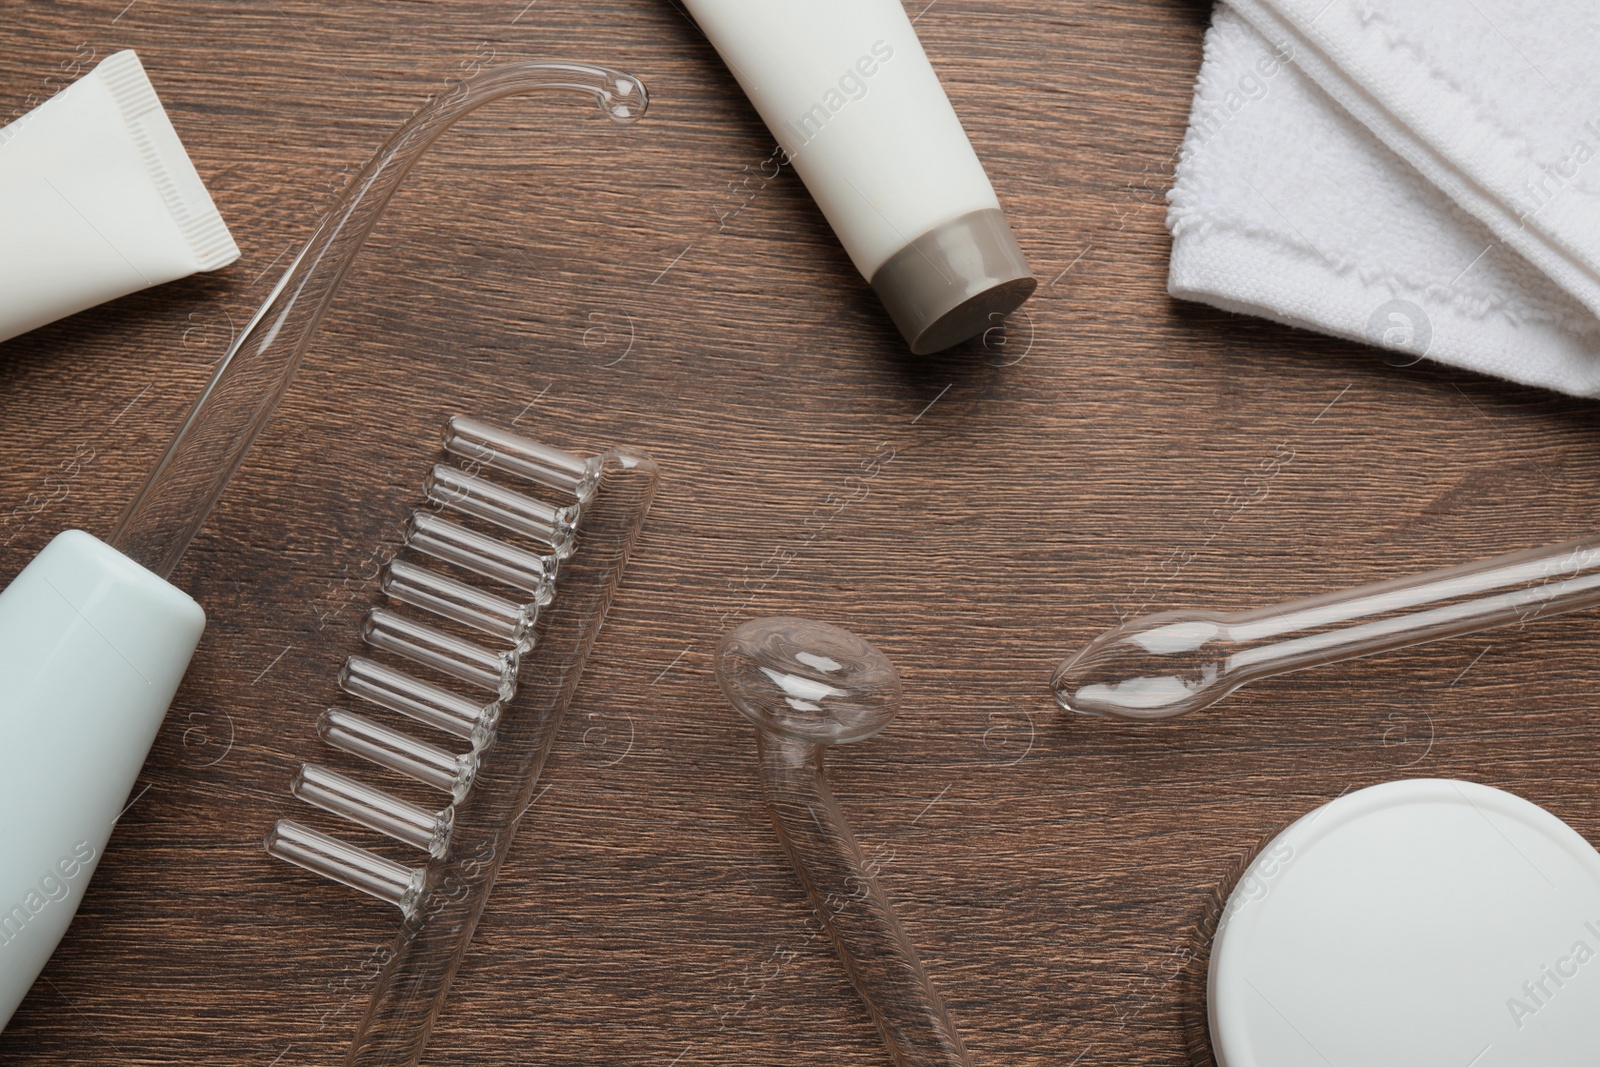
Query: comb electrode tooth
[514,512]
[516,455]
[345,863]
[419,700]
[373,808]
[398,752]
[442,539]
[460,602]
[420,643]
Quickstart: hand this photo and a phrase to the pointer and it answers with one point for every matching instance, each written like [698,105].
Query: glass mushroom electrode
[807,685]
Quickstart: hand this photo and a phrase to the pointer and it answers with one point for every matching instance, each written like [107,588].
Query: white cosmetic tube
[846,89]
[98,199]
[92,647]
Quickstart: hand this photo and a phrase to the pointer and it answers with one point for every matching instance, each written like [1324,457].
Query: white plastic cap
[1418,922]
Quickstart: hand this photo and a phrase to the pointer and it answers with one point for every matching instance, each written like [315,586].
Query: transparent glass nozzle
[513,512]
[355,867]
[457,601]
[494,670]
[513,454]
[374,808]
[399,752]
[807,685]
[416,699]
[490,557]
[1175,662]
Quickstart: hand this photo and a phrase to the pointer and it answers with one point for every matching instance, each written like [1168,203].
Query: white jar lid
[1410,924]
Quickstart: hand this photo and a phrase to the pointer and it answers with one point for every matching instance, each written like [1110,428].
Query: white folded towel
[1288,206]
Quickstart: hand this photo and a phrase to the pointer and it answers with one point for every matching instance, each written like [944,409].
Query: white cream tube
[848,92]
[92,648]
[98,199]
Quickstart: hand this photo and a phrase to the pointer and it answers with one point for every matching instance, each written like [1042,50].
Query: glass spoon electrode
[1175,662]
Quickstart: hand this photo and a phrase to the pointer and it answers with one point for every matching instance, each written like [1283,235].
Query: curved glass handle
[255,373]
[1176,662]
[807,685]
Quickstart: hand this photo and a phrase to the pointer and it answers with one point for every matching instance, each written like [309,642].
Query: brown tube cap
[955,281]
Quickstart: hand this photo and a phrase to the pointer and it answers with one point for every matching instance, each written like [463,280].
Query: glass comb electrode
[477,677]
[94,641]
[486,668]
[1176,662]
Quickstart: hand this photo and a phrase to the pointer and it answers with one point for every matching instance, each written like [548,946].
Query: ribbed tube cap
[955,281]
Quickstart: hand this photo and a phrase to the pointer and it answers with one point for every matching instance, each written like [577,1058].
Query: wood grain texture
[648,286]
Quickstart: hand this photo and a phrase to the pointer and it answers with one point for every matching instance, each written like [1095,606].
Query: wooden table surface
[1109,451]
